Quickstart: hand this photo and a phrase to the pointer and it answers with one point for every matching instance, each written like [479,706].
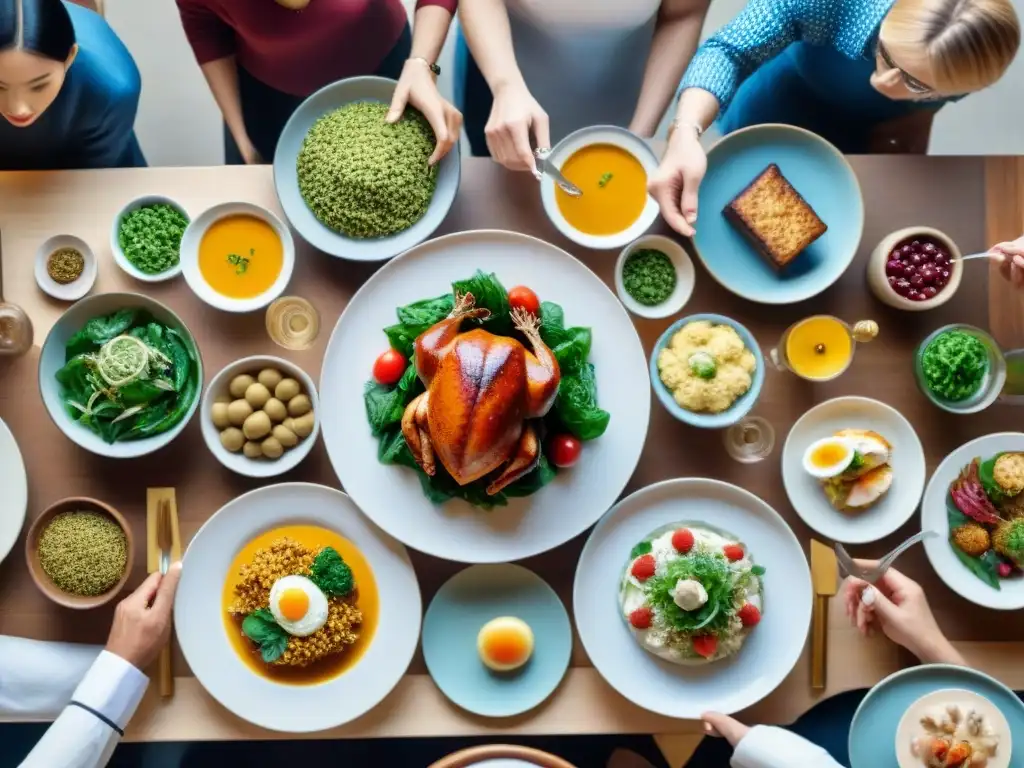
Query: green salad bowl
[989,387]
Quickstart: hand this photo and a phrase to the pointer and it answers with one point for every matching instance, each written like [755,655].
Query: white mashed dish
[953,729]
[691,594]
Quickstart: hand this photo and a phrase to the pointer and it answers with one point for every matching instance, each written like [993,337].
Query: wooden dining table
[976,201]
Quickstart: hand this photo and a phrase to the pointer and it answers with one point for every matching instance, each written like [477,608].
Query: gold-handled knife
[825,577]
[165,540]
[164,547]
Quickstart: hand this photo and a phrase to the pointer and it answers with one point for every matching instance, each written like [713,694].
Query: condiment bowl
[585,137]
[684,277]
[35,568]
[286,179]
[738,409]
[77,288]
[991,386]
[115,247]
[237,462]
[190,257]
[52,358]
[879,283]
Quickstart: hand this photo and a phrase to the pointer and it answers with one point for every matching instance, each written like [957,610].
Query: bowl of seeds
[79,552]
[65,267]
[145,238]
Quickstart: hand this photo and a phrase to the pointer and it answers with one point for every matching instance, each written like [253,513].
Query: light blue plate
[740,408]
[302,219]
[824,178]
[873,731]
[462,606]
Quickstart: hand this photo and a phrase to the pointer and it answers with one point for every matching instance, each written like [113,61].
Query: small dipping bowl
[35,568]
[685,277]
[190,257]
[77,288]
[115,245]
[991,385]
[879,283]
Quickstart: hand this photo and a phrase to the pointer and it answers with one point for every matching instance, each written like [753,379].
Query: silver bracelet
[677,124]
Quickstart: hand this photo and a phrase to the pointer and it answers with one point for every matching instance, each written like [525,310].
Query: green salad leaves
[712,570]
[576,409]
[271,638]
[127,376]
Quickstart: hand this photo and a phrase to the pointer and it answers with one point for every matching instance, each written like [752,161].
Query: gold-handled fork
[165,541]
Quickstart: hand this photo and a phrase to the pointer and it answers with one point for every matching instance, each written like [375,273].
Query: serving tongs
[547,168]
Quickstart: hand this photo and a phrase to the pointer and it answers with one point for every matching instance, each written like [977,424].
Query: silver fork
[873,574]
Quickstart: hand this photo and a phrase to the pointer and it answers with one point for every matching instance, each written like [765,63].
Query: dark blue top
[90,123]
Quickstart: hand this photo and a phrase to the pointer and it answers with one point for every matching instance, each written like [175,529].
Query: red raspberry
[643,567]
[682,540]
[705,645]
[749,615]
[1005,570]
[733,551]
[641,617]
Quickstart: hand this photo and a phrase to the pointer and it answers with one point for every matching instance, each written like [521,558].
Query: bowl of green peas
[145,238]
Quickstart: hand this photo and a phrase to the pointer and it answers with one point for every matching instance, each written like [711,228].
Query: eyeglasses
[912,83]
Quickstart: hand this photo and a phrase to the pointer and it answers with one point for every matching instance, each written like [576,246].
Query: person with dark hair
[69,89]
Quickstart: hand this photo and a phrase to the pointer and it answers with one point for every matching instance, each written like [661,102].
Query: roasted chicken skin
[482,392]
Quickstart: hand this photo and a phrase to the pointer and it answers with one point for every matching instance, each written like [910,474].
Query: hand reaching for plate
[677,181]
[899,606]
[1011,261]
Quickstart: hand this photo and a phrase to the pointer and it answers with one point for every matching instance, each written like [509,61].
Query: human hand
[1011,261]
[898,605]
[142,621]
[677,181]
[416,86]
[728,728]
[249,153]
[516,115]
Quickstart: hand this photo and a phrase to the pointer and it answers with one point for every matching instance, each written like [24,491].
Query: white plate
[770,651]
[13,491]
[198,611]
[391,495]
[76,289]
[685,277]
[910,728]
[933,516]
[808,498]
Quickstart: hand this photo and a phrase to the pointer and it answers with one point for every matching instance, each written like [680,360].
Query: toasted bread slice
[775,218]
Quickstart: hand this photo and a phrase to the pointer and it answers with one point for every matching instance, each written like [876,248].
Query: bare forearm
[939,651]
[489,37]
[222,77]
[697,107]
[429,31]
[675,40]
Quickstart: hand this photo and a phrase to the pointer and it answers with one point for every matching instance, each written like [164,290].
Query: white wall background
[179,124]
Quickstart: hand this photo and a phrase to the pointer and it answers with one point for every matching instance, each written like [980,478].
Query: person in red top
[261,58]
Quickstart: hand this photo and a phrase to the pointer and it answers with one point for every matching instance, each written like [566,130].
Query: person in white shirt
[38,678]
[896,605]
[540,69]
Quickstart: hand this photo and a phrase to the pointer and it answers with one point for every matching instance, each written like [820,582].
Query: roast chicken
[482,392]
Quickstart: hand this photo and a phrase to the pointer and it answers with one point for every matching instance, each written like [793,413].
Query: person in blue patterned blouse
[868,75]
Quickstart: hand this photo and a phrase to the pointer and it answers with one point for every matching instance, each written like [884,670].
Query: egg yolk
[293,604]
[505,645]
[828,455]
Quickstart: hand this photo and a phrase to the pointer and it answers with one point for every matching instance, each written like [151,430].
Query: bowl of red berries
[915,269]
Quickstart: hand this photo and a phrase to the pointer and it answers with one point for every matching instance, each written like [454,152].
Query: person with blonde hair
[867,75]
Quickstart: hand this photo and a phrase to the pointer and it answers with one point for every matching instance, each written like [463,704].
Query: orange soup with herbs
[614,185]
[241,256]
[295,614]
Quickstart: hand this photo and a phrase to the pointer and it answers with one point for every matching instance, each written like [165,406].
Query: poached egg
[298,605]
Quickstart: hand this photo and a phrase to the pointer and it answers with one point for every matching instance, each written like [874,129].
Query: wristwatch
[434,68]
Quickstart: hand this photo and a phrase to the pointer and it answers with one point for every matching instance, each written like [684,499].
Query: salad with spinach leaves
[127,376]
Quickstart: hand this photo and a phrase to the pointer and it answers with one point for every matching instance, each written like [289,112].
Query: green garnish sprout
[271,638]
[605,178]
[331,573]
[150,237]
[703,365]
[241,263]
[954,365]
[712,570]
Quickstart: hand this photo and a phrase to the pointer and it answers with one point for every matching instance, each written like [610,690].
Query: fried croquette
[972,539]
[1008,473]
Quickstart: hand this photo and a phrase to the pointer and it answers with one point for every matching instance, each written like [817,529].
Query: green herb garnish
[643,548]
[712,570]
[856,462]
[703,365]
[649,276]
[954,365]
[241,263]
[605,178]
[331,573]
[150,237]
[757,570]
[260,627]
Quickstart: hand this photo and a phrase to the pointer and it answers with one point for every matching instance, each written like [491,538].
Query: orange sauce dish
[241,256]
[614,185]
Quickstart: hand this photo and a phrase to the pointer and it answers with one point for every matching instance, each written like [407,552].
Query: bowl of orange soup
[237,257]
[611,166]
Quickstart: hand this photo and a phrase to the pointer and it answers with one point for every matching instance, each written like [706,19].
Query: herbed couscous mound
[286,557]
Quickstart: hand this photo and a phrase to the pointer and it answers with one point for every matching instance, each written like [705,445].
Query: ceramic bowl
[685,277]
[286,181]
[738,409]
[115,246]
[879,283]
[501,756]
[991,386]
[585,137]
[45,584]
[237,462]
[190,257]
[52,359]
[76,289]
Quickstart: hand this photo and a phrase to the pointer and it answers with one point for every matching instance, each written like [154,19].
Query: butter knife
[548,168]
[825,576]
[165,541]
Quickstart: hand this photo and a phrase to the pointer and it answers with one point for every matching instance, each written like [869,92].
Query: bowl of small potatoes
[260,416]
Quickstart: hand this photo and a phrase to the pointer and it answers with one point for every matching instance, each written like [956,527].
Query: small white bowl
[190,257]
[76,289]
[115,246]
[685,277]
[585,137]
[238,462]
[879,283]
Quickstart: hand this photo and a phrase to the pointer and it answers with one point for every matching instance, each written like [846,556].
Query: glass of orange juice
[821,347]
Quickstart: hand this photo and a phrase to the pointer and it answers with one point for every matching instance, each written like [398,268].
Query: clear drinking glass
[15,330]
[821,347]
[750,440]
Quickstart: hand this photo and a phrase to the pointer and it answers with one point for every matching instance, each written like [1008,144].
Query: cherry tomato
[389,367]
[564,450]
[525,299]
